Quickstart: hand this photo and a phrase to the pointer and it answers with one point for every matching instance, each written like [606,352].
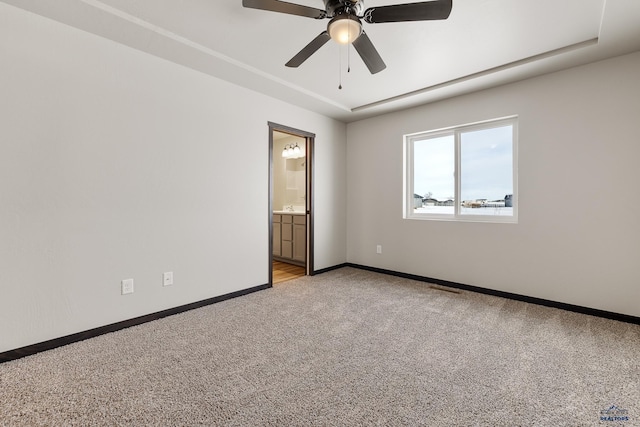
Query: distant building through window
[466,173]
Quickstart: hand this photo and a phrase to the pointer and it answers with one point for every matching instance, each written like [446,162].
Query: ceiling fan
[345,26]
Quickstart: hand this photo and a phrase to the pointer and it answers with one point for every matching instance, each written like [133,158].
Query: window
[466,173]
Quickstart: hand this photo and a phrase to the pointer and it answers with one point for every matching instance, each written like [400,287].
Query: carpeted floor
[345,348]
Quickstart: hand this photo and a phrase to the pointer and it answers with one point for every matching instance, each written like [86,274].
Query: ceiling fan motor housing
[341,7]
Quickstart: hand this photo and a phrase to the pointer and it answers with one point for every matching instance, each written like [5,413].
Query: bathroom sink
[291,209]
[289,212]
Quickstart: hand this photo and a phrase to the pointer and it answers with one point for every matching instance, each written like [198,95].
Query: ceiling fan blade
[369,54]
[423,11]
[284,7]
[309,50]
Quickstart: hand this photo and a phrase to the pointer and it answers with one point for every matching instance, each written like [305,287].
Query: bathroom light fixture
[291,152]
[345,29]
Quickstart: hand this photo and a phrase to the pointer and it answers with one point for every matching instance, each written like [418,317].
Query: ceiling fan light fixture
[345,29]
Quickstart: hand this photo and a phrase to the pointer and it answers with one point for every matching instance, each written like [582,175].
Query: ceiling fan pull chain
[339,67]
[349,53]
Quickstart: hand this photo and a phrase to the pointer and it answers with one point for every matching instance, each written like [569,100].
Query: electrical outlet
[167,278]
[127,286]
[379,249]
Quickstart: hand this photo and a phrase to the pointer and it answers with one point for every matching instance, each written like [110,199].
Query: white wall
[578,236]
[115,164]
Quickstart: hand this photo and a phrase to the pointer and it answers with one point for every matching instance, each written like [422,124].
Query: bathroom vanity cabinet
[290,238]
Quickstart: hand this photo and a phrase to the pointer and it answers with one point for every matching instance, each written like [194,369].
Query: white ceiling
[484,43]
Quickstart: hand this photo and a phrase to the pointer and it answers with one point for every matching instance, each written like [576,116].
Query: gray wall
[578,236]
[115,164]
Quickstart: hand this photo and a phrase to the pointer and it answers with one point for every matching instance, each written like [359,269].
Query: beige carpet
[344,348]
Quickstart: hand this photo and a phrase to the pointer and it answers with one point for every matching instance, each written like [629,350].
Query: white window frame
[456,131]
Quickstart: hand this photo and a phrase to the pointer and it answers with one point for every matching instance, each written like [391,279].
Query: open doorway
[290,203]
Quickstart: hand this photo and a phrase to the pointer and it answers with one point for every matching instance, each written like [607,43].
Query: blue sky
[486,164]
